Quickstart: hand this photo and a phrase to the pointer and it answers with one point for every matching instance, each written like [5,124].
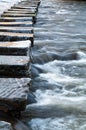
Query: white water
[61,84]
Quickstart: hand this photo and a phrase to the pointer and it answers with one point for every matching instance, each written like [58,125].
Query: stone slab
[15,19]
[17,15]
[15,34]
[14,66]
[23,23]
[23,7]
[28,4]
[13,94]
[11,36]
[30,1]
[21,11]
[16,29]
[21,48]
[21,16]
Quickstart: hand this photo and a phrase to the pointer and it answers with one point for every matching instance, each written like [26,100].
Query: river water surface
[59,67]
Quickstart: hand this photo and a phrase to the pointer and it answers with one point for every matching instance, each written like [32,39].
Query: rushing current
[59,67]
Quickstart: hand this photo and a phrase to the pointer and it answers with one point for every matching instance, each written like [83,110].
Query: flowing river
[59,67]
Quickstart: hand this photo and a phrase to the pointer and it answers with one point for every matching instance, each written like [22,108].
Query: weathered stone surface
[14,66]
[23,23]
[19,7]
[20,11]
[11,36]
[16,29]
[29,4]
[29,1]
[21,48]
[13,93]
[5,126]
[23,7]
[18,15]
[15,19]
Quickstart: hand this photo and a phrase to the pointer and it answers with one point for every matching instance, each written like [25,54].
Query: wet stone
[34,9]
[13,94]
[21,7]
[68,56]
[11,36]
[27,5]
[21,48]
[5,126]
[16,29]
[23,23]
[20,15]
[20,11]
[15,19]
[27,2]
[30,10]
[30,14]
[14,66]
[31,98]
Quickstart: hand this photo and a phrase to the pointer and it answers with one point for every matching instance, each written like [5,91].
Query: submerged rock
[47,57]
[5,126]
[31,98]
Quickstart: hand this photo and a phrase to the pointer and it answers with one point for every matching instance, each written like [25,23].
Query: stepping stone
[23,10]
[23,7]
[11,36]
[15,19]
[29,1]
[22,48]
[16,29]
[14,66]
[13,94]
[23,23]
[20,12]
[28,5]
[17,15]
[20,15]
[28,11]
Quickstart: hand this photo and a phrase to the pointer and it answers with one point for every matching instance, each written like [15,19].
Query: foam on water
[70,102]
[60,31]
[66,123]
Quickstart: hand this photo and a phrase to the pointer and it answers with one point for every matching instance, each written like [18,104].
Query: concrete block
[14,66]
[21,48]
